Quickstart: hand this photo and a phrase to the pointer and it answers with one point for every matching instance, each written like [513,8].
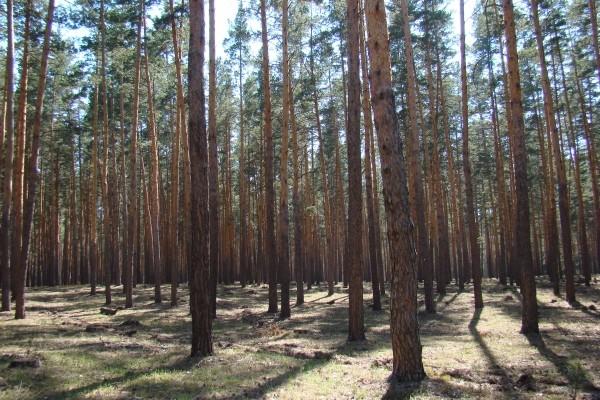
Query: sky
[225,11]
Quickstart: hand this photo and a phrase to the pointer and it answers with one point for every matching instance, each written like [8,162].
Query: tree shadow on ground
[181,364]
[493,364]
[575,374]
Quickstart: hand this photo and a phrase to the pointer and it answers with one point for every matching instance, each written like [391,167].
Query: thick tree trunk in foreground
[356,328]
[199,254]
[522,246]
[406,346]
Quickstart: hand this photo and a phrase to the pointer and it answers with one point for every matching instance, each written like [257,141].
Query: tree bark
[199,254]
[133,218]
[32,171]
[354,251]
[284,255]
[415,180]
[270,245]
[213,162]
[369,154]
[406,346]
[563,190]
[469,190]
[7,160]
[522,246]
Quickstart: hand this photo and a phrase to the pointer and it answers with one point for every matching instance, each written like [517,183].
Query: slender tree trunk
[469,189]
[284,255]
[155,206]
[573,142]
[417,200]
[93,198]
[18,166]
[108,218]
[32,170]
[499,161]
[242,182]
[369,154]
[270,245]
[297,205]
[592,155]
[179,127]
[133,218]
[563,190]
[329,250]
[7,160]
[594,23]
[529,322]
[213,162]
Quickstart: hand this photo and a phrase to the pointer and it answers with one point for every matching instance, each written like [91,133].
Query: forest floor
[467,354]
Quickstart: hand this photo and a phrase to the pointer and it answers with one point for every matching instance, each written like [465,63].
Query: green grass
[466,354]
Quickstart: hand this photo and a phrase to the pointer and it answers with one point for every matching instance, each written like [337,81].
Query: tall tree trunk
[522,246]
[174,260]
[18,196]
[270,245]
[417,200]
[469,190]
[155,207]
[108,218]
[199,261]
[284,255]
[213,162]
[133,218]
[93,197]
[32,170]
[7,160]
[297,205]
[369,154]
[406,346]
[354,251]
[242,181]
[552,130]
[592,155]
[329,250]
[594,23]
[499,161]
[584,252]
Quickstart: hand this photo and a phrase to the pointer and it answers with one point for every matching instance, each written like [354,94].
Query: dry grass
[466,354]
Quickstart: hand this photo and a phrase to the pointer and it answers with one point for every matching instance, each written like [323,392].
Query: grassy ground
[466,354]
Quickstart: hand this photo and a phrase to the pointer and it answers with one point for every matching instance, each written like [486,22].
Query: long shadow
[180,365]
[575,378]
[492,360]
[584,309]
[317,299]
[271,384]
